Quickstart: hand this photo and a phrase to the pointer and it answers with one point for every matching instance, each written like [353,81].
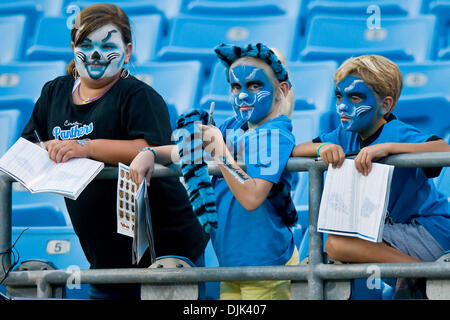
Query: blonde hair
[379,73]
[287,104]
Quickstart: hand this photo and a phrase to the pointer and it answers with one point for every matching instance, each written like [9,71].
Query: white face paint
[101,54]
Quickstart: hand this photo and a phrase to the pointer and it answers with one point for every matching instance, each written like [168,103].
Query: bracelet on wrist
[148,148]
[320,146]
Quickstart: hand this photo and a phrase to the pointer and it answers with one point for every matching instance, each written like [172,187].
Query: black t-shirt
[129,110]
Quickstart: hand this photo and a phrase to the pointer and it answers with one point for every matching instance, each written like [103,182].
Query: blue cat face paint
[252,93]
[356,104]
[101,54]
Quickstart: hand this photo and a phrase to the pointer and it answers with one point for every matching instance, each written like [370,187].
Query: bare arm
[144,163]
[250,192]
[330,153]
[104,150]
[363,161]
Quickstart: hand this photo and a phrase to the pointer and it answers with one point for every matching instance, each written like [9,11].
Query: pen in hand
[40,141]
[211,111]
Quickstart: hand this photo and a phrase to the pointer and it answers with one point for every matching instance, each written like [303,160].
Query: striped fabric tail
[194,169]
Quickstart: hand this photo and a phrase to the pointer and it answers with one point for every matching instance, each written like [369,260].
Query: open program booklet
[133,214]
[355,205]
[30,165]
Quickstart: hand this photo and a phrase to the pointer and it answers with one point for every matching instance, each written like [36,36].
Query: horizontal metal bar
[435,270]
[163,275]
[438,270]
[428,159]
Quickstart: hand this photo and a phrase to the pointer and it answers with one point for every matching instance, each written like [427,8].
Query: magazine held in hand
[355,205]
[30,165]
[133,214]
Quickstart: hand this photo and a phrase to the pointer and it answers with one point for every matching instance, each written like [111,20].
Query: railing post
[315,283]
[5,224]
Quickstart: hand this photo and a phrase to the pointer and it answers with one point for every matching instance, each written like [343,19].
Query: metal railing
[315,273]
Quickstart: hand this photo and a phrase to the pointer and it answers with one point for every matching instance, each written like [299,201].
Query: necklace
[89,99]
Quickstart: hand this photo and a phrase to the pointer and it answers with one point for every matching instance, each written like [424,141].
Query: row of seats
[424,102]
[324,33]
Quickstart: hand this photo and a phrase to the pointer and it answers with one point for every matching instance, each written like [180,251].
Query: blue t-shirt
[413,195]
[259,237]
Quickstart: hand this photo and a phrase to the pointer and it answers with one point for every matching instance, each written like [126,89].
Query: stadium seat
[363,7]
[23,104]
[13,33]
[59,246]
[178,82]
[441,8]
[314,109]
[194,37]
[10,120]
[169,8]
[147,31]
[34,8]
[425,98]
[338,38]
[243,7]
[38,215]
[31,10]
[26,79]
[51,40]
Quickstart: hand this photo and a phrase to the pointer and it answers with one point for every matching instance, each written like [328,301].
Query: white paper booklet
[355,205]
[30,165]
[133,214]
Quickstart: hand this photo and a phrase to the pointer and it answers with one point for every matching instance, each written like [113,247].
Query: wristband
[321,145]
[148,148]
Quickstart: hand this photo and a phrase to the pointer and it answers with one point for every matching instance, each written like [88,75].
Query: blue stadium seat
[339,38]
[425,98]
[147,31]
[31,10]
[51,40]
[441,8]
[360,7]
[243,7]
[38,215]
[194,37]
[10,120]
[23,104]
[34,8]
[59,246]
[26,79]
[169,8]
[178,82]
[12,29]
[314,109]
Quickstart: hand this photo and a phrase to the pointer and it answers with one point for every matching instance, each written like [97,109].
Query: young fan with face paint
[254,207]
[101,112]
[367,89]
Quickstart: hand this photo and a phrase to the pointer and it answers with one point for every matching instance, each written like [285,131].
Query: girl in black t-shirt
[100,112]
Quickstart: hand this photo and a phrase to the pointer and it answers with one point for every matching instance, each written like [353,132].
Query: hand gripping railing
[315,272]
